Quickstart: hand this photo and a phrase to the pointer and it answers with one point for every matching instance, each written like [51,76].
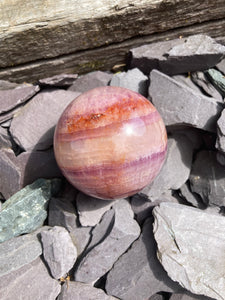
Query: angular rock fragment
[7,117]
[190,197]
[18,171]
[191,247]
[122,232]
[90,81]
[178,161]
[180,105]
[82,291]
[208,178]
[200,79]
[217,78]
[7,85]
[25,211]
[220,143]
[5,140]
[34,126]
[32,281]
[61,80]
[221,66]
[19,251]
[58,250]
[16,97]
[156,297]
[189,296]
[81,237]
[90,209]
[195,53]
[133,79]
[220,158]
[186,80]
[138,271]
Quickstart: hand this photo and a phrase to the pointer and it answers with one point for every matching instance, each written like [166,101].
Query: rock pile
[167,241]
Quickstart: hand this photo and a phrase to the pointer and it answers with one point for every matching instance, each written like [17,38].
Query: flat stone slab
[220,143]
[207,178]
[191,247]
[19,251]
[90,210]
[32,281]
[58,250]
[178,161]
[61,80]
[26,210]
[180,105]
[195,53]
[19,171]
[82,291]
[138,271]
[90,81]
[133,80]
[100,259]
[34,126]
[16,96]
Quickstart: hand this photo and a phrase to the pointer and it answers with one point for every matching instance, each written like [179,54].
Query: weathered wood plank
[103,58]
[34,30]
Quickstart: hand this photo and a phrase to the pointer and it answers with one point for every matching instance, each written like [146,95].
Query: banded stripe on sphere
[110,142]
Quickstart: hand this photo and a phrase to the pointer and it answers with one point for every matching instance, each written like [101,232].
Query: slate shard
[33,127]
[191,247]
[138,271]
[195,53]
[207,178]
[25,211]
[133,79]
[180,105]
[61,80]
[218,79]
[90,81]
[19,251]
[82,291]
[109,246]
[220,143]
[59,251]
[32,281]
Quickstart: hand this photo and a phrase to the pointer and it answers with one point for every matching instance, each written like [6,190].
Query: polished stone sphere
[110,142]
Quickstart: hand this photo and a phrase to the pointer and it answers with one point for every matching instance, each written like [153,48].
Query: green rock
[217,79]
[25,211]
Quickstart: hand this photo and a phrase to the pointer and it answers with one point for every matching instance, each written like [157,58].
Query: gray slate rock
[19,251]
[100,259]
[19,171]
[221,66]
[186,80]
[156,297]
[220,143]
[16,97]
[7,85]
[5,140]
[82,291]
[201,80]
[178,161]
[90,210]
[133,79]
[208,178]
[61,80]
[34,126]
[195,53]
[180,105]
[81,237]
[217,78]
[58,250]
[189,296]
[198,268]
[190,197]
[32,281]
[90,81]
[138,272]
[220,158]
[25,211]
[7,117]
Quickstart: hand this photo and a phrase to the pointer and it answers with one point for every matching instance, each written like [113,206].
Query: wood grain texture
[103,58]
[40,38]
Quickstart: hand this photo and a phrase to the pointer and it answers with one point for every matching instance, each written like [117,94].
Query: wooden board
[42,38]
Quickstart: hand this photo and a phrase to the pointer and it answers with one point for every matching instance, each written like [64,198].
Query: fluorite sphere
[110,142]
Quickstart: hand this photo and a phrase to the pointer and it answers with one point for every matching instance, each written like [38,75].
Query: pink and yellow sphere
[110,142]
